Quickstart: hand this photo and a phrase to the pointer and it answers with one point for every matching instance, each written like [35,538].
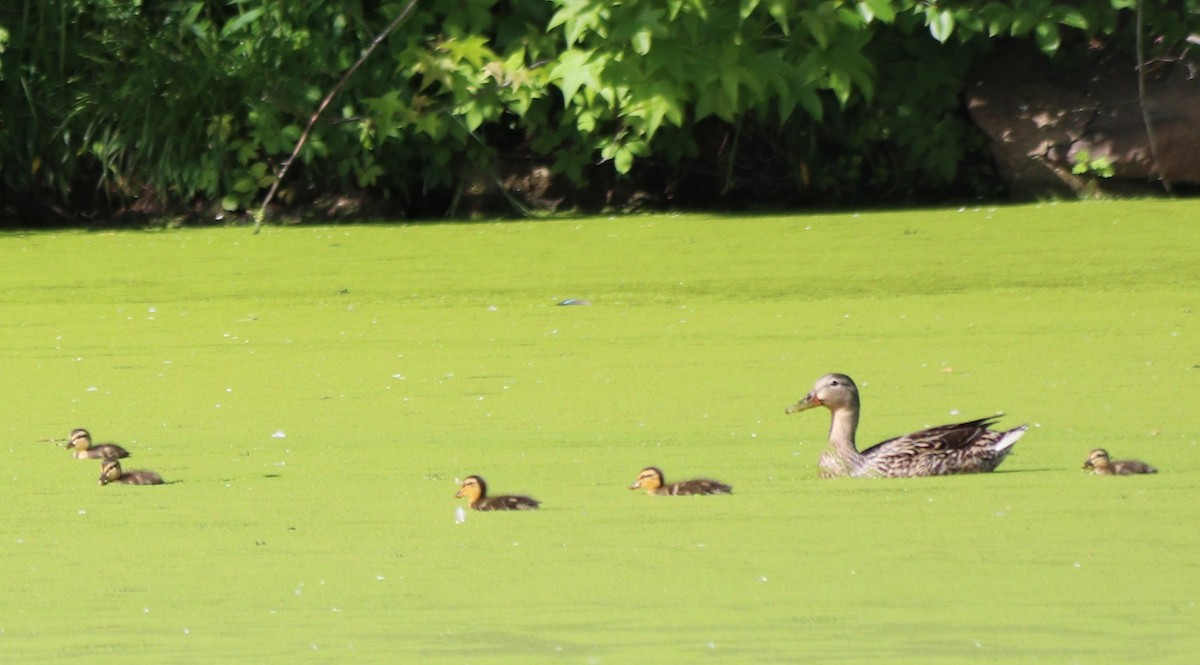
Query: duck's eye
[834,383]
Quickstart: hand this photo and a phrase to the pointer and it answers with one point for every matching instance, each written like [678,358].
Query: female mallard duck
[651,480]
[81,441]
[110,472]
[962,448]
[475,490]
[1101,465]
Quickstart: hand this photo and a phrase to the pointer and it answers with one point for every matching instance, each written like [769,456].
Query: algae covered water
[312,394]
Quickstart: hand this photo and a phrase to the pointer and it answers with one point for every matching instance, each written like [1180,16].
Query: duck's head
[832,391]
[473,489]
[650,479]
[80,438]
[110,471]
[1097,459]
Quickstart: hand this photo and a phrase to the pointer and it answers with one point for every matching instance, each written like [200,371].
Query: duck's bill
[809,402]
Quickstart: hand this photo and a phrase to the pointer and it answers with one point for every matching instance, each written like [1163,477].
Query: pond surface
[312,394]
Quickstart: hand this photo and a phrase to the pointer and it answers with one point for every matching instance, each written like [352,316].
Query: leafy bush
[105,103]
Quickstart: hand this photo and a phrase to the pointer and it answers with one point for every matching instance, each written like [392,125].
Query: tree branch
[262,209]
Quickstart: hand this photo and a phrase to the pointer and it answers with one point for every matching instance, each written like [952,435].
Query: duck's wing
[1132,466]
[935,439]
[141,477]
[109,451]
[700,486]
[956,448]
[509,503]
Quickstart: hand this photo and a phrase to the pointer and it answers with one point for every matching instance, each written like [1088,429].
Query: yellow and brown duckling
[475,491]
[81,441]
[110,472]
[651,480]
[968,447]
[1100,464]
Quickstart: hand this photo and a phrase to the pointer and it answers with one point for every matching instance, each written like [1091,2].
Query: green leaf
[877,9]
[574,70]
[242,20]
[1047,36]
[1073,19]
[941,25]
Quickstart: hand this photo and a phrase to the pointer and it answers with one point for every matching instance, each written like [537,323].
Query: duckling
[475,491]
[651,480]
[81,441]
[110,472]
[1101,465]
[968,447]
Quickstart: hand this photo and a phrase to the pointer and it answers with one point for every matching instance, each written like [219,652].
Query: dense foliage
[106,104]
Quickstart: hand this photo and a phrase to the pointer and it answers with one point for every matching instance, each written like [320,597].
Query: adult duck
[1100,464]
[968,447]
[81,441]
[475,491]
[651,479]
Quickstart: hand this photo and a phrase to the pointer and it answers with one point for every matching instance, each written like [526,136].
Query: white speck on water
[753,435]
[399,377]
[145,610]
[762,578]
[335,609]
[380,578]
[298,590]
[229,390]
[314,646]
[152,310]
[954,412]
[92,389]
[83,512]
[186,631]
[1077,565]
[460,515]
[712,645]
[279,434]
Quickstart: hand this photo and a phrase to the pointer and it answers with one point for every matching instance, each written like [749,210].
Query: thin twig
[262,210]
[1141,72]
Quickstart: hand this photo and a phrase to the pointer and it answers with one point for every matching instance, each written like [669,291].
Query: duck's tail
[1009,438]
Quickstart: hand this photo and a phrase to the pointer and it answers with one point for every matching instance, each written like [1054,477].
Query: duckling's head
[473,489]
[1097,459]
[833,391]
[110,471]
[80,438]
[650,479]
